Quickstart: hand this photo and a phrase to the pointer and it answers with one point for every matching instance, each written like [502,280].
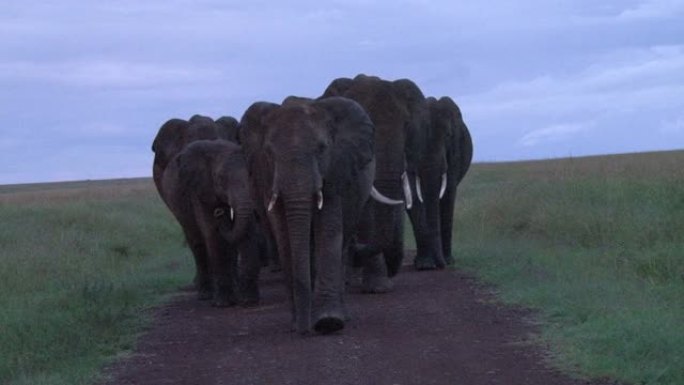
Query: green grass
[78,264]
[596,245]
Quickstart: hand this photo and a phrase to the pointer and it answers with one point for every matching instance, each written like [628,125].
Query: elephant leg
[250,265]
[202,280]
[329,312]
[223,267]
[447,222]
[375,279]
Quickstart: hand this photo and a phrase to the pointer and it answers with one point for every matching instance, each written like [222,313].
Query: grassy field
[78,263]
[597,246]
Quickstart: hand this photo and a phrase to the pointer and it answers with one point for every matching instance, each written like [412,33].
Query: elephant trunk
[298,220]
[241,222]
[428,228]
[388,233]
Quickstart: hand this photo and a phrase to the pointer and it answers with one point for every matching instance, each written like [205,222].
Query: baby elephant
[207,190]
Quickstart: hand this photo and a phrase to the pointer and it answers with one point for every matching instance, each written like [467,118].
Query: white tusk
[444,186]
[320,200]
[419,192]
[274,198]
[383,199]
[407,190]
[232,214]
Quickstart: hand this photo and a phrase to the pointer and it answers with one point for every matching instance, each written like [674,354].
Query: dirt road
[434,328]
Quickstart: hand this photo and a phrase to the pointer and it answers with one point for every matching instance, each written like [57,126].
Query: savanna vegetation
[597,246]
[78,264]
[594,244]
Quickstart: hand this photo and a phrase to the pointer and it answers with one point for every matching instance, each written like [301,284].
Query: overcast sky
[85,85]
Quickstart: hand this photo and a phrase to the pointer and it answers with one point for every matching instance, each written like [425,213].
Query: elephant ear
[460,148]
[252,128]
[338,87]
[227,128]
[169,140]
[352,133]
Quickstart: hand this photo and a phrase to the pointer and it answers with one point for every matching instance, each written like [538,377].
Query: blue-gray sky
[84,85]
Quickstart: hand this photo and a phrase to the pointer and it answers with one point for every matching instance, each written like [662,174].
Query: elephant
[399,112]
[446,158]
[207,189]
[311,165]
[175,134]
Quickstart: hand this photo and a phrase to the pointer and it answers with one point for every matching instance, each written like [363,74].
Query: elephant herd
[319,187]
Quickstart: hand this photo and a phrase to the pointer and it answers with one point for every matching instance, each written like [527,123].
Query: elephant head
[312,164]
[444,162]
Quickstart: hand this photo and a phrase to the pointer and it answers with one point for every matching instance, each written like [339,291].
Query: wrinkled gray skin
[312,162]
[207,190]
[448,151]
[399,113]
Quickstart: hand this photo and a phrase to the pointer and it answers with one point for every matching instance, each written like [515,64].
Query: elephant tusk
[407,190]
[444,186]
[274,198]
[383,199]
[319,203]
[419,192]
[232,214]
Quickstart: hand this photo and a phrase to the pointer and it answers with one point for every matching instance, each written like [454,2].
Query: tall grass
[597,246]
[78,263]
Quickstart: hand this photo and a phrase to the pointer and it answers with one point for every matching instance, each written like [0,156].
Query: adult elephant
[312,167]
[207,190]
[446,158]
[399,112]
[175,134]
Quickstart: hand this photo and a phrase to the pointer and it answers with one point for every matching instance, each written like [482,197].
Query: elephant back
[227,129]
[169,141]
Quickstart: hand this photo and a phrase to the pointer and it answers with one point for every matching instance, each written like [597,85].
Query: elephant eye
[322,146]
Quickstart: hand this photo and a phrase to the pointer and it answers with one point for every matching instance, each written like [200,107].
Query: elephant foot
[204,293]
[424,264]
[376,285]
[449,259]
[375,279]
[352,277]
[223,302]
[250,298]
[224,297]
[329,322]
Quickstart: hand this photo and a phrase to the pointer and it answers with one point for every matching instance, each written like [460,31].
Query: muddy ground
[438,327]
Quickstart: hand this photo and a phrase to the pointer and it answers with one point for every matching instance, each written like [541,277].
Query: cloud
[105,73]
[653,77]
[653,9]
[554,133]
[674,126]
